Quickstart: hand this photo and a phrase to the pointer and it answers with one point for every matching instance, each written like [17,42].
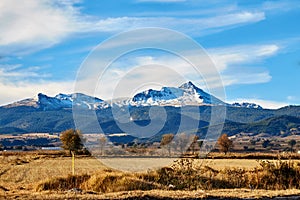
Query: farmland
[39,175]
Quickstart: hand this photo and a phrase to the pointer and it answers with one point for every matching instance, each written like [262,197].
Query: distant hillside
[54,114]
[276,126]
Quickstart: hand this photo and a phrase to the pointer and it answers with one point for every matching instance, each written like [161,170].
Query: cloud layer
[39,24]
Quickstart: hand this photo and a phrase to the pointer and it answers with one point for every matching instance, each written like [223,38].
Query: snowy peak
[191,89]
[165,94]
[186,94]
[60,101]
[247,105]
[45,102]
[188,86]
[68,100]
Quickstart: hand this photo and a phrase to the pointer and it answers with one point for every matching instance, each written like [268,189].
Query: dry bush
[277,175]
[270,175]
[185,175]
[63,183]
[118,181]
[105,181]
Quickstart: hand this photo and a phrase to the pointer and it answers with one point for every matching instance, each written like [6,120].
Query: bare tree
[194,143]
[182,141]
[102,143]
[166,141]
[225,143]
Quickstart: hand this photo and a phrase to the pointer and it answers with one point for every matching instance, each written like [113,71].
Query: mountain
[60,101]
[247,105]
[54,114]
[281,125]
[186,94]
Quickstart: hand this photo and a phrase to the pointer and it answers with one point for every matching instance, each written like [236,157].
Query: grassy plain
[27,176]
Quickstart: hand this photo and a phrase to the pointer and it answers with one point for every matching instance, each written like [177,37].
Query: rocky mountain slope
[54,114]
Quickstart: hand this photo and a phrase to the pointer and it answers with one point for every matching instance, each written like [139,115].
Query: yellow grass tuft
[62,183]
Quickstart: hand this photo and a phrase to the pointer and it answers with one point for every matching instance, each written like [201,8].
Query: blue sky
[255,45]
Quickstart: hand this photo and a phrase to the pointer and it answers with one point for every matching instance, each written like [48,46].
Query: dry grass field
[38,176]
[26,170]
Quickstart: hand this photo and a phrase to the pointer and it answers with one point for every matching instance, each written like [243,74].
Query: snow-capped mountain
[60,101]
[186,94]
[247,105]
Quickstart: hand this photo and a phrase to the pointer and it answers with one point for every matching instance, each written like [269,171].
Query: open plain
[34,175]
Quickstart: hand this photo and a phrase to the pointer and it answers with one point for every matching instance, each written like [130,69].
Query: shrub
[63,183]
[185,175]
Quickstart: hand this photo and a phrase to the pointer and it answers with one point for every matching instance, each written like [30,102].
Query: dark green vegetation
[276,126]
[25,119]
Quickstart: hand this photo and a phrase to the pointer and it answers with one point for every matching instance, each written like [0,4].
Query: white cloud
[238,64]
[195,26]
[246,78]
[35,24]
[10,92]
[262,102]
[282,6]
[16,72]
[197,12]
[291,98]
[242,53]
[39,24]
[18,82]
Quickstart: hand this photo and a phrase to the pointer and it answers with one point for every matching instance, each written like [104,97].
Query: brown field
[27,176]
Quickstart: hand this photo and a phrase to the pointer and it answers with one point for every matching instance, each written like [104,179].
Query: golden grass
[26,171]
[229,163]
[185,174]
[33,176]
[157,194]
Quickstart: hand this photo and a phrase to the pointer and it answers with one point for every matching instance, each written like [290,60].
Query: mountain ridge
[54,114]
[185,94]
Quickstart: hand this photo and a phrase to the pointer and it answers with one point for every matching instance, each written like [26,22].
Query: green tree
[266,143]
[253,142]
[225,143]
[71,140]
[292,143]
[166,141]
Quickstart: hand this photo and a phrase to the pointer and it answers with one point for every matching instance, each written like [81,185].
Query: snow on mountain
[186,94]
[60,101]
[247,105]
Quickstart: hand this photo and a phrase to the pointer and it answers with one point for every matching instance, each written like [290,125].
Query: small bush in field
[118,181]
[63,183]
[278,175]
